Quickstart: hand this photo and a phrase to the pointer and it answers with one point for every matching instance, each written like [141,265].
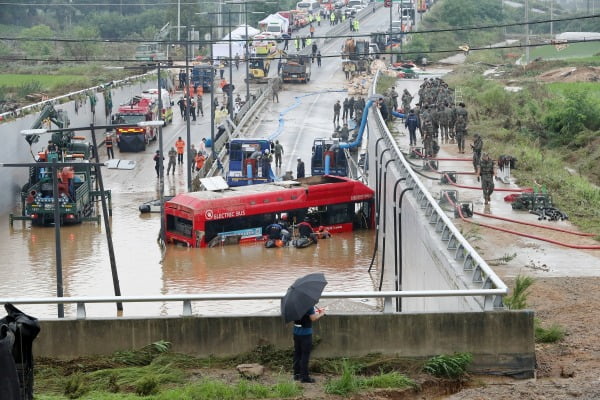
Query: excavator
[260,64]
[76,183]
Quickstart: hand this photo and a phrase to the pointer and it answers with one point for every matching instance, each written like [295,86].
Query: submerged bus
[240,214]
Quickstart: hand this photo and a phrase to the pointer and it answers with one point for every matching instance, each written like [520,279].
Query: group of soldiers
[439,118]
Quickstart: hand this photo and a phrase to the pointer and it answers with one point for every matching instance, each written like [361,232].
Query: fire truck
[134,138]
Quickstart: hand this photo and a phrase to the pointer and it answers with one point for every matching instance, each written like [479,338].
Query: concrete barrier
[500,342]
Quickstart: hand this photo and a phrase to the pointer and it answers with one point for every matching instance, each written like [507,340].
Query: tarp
[274,18]
[239,33]
[132,143]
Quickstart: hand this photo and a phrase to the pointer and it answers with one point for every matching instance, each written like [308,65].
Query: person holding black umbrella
[298,305]
[303,343]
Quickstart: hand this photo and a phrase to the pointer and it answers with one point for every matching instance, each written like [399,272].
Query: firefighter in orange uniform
[180,145]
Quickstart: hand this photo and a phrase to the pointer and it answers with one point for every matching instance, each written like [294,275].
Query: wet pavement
[527,256]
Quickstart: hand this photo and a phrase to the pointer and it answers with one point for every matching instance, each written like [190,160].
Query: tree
[38,48]
[82,50]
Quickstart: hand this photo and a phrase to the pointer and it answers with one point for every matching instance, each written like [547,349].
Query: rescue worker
[108,142]
[199,161]
[158,163]
[172,154]
[336,113]
[344,133]
[300,168]
[305,230]
[412,123]
[345,108]
[322,233]
[477,146]
[356,25]
[199,106]
[278,150]
[406,100]
[486,174]
[462,119]
[180,145]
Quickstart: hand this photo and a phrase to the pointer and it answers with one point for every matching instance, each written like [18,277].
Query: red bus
[239,214]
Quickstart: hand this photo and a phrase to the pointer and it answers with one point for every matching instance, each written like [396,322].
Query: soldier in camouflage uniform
[406,100]
[477,146]
[425,116]
[444,116]
[462,119]
[428,138]
[452,122]
[486,174]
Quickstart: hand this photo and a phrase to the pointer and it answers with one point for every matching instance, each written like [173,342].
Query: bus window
[179,225]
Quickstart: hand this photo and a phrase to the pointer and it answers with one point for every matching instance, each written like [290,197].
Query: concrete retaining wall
[501,342]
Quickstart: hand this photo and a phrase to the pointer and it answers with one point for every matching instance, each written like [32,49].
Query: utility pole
[526,32]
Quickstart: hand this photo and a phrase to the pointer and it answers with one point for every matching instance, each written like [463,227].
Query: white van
[310,6]
[356,4]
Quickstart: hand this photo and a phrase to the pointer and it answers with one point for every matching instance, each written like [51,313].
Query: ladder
[458,97]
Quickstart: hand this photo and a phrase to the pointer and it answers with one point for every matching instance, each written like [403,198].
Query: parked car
[350,12]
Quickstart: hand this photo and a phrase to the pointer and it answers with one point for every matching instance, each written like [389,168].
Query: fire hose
[572,246]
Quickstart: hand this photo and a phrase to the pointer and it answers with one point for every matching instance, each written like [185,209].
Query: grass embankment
[153,372]
[552,129]
[19,83]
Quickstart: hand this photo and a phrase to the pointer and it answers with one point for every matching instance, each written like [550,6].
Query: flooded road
[31,271]
[230,269]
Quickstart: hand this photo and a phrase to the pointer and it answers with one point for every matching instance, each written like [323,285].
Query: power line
[475,27]
[284,57]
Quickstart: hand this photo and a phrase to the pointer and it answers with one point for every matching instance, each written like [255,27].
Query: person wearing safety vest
[318,17]
[332,18]
[108,142]
[200,158]
[356,25]
[297,43]
[308,41]
[180,145]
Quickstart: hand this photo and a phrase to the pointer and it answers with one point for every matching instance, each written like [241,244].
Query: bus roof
[273,197]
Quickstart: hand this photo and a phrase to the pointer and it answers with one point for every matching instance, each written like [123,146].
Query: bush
[552,334]
[451,367]
[518,300]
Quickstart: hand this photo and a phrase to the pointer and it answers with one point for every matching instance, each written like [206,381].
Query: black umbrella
[301,296]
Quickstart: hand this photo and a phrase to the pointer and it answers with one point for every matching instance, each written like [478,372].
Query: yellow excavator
[260,64]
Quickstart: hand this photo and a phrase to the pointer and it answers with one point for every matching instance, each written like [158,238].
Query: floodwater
[31,271]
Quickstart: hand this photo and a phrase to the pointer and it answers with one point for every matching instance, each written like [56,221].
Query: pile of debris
[360,84]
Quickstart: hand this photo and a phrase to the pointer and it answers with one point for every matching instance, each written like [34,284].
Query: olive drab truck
[75,182]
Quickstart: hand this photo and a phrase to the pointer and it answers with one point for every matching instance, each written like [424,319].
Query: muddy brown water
[29,267]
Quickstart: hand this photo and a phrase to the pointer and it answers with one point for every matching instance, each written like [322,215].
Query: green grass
[562,87]
[574,50]
[350,383]
[50,82]
[553,334]
[518,299]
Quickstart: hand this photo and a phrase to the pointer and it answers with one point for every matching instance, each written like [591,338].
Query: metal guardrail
[19,112]
[457,246]
[187,299]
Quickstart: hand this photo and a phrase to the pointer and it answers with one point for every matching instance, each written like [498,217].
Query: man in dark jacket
[412,123]
[300,168]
